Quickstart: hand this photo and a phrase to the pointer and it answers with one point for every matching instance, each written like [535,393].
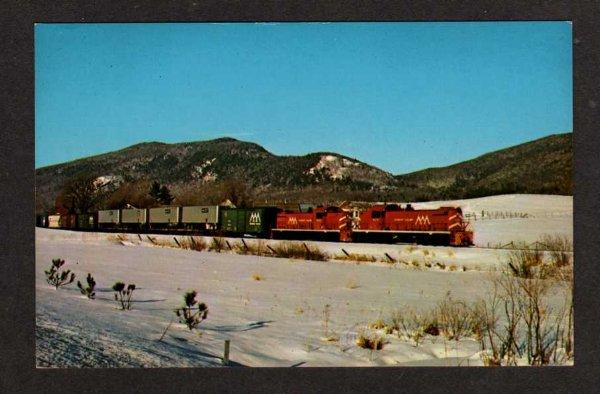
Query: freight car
[256,222]
[393,223]
[323,223]
[204,217]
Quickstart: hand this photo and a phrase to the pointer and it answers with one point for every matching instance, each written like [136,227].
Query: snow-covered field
[278,320]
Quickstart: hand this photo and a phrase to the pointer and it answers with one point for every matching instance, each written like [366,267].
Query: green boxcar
[86,221]
[254,221]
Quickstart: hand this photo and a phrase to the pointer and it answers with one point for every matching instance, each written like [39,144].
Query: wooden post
[176,241]
[346,253]
[226,352]
[390,258]
[271,249]
[244,242]
[308,254]
[228,245]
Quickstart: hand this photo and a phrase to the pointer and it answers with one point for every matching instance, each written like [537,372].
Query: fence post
[346,253]
[226,352]
[308,253]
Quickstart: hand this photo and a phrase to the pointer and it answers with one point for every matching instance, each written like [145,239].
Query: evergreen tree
[164,195]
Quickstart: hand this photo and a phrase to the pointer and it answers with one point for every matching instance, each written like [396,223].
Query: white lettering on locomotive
[254,219]
[292,221]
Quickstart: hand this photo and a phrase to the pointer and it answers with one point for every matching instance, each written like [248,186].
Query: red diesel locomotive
[323,223]
[392,223]
[383,223]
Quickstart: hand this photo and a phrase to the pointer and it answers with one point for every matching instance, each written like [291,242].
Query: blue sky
[401,96]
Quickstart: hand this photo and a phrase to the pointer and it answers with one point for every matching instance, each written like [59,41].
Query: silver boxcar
[136,216]
[207,214]
[108,216]
[164,215]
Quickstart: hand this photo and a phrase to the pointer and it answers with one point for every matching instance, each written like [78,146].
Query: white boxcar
[54,221]
[164,215]
[131,216]
[108,216]
[208,214]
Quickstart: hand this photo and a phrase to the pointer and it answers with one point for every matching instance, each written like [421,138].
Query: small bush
[427,264]
[257,277]
[299,251]
[190,314]
[369,341]
[356,257]
[377,324]
[454,318]
[415,264]
[425,252]
[89,290]
[217,244]
[522,263]
[452,267]
[56,277]
[441,265]
[192,243]
[123,294]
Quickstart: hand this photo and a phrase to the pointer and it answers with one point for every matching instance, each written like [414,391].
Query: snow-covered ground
[278,320]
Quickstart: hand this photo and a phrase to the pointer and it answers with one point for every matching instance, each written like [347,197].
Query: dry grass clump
[217,244]
[193,243]
[371,341]
[257,248]
[415,264]
[440,265]
[410,325]
[377,324]
[411,248]
[299,251]
[450,253]
[453,318]
[356,257]
[257,277]
[530,263]
[352,284]
[425,252]
[452,267]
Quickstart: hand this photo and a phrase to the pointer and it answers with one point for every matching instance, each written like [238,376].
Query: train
[382,223]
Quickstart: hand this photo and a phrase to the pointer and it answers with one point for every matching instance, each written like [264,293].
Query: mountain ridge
[542,165]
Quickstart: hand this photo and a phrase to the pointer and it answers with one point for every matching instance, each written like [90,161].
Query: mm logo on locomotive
[423,220]
[254,219]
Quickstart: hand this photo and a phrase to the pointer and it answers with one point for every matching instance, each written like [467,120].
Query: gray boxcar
[133,216]
[164,215]
[205,214]
[110,216]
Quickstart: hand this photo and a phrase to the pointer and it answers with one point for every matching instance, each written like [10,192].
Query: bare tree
[81,194]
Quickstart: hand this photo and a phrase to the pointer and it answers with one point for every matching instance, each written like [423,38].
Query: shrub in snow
[370,341]
[56,277]
[123,294]
[89,290]
[191,313]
